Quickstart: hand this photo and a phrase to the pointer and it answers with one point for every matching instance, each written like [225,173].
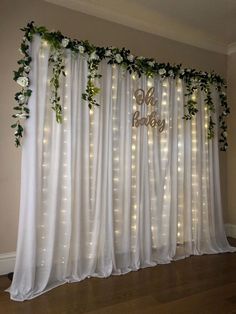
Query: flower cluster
[137,65]
[21,76]
[222,119]
[57,61]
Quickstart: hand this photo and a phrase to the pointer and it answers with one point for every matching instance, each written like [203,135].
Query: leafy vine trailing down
[194,80]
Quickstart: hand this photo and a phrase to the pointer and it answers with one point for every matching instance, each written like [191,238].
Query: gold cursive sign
[141,98]
[151,119]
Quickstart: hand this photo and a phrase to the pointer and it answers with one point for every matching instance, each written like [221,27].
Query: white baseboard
[230,230]
[7,262]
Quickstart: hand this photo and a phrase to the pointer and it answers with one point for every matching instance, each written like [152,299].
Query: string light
[44,43]
[149,83]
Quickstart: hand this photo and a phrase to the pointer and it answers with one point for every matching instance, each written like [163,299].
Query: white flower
[52,99]
[21,98]
[93,56]
[181,72]
[27,68]
[118,58]
[21,115]
[151,63]
[25,40]
[23,81]
[93,73]
[162,71]
[223,93]
[65,42]
[108,53]
[225,134]
[171,73]
[81,49]
[141,58]
[224,113]
[56,56]
[130,58]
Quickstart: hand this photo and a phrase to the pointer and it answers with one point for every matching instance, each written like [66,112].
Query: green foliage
[57,61]
[194,80]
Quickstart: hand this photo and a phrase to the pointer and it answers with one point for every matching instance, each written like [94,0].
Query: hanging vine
[193,79]
[57,61]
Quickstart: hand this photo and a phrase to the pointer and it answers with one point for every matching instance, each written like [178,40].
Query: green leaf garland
[194,80]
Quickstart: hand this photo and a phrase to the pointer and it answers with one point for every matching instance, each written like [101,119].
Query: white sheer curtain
[101,197]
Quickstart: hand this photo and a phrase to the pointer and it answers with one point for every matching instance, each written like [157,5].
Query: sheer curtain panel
[105,192]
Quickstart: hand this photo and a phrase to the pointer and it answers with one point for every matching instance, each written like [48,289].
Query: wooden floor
[198,284]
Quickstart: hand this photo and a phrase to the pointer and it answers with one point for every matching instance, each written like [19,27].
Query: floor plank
[198,284]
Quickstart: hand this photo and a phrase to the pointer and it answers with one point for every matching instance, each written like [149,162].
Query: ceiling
[208,24]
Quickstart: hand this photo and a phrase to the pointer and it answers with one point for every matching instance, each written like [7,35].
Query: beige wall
[15,14]
[230,216]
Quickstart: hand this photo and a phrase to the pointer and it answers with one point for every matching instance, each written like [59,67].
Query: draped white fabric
[101,197]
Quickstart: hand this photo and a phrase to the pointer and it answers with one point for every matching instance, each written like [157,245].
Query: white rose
[93,73]
[52,99]
[27,68]
[151,63]
[23,81]
[162,71]
[21,98]
[93,56]
[108,53]
[56,56]
[65,42]
[118,58]
[81,49]
[225,134]
[130,58]
[171,73]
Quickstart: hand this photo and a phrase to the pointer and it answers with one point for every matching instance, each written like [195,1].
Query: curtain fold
[100,196]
